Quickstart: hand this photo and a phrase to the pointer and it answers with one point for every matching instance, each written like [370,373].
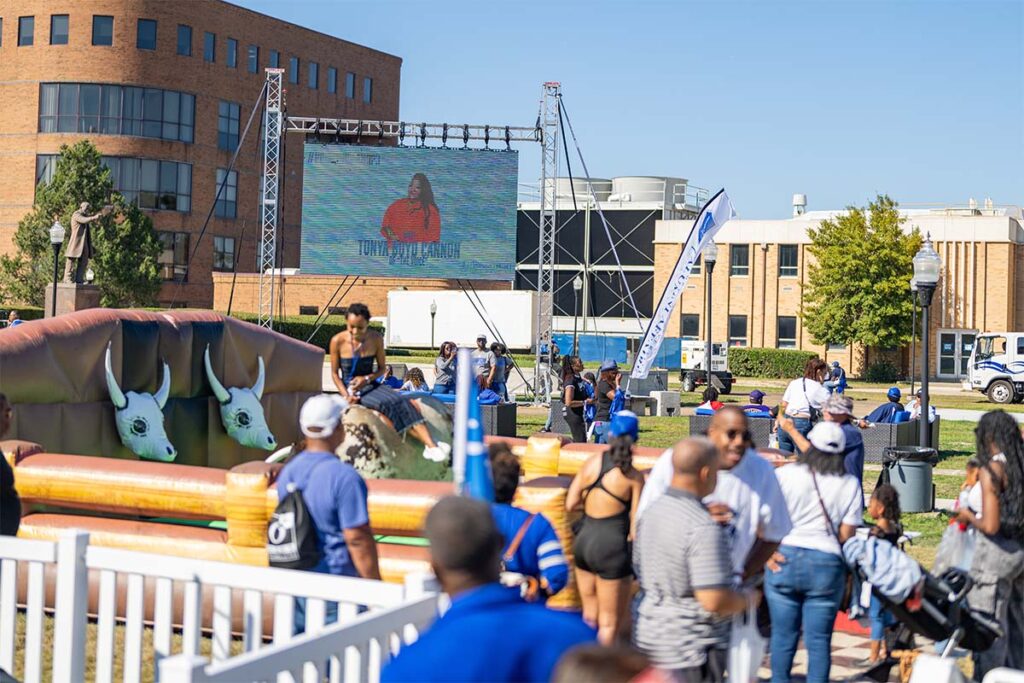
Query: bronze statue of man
[80,245]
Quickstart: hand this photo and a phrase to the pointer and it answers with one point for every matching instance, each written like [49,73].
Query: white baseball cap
[828,437]
[320,415]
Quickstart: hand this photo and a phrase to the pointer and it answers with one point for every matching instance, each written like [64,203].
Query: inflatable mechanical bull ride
[192,387]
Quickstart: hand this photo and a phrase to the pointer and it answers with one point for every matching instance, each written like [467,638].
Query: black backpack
[291,535]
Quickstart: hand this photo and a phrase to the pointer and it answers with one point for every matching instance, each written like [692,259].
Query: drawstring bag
[746,646]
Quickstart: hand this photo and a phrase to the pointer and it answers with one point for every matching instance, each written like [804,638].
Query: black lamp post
[710,256]
[927,268]
[577,285]
[56,239]
[913,333]
[433,312]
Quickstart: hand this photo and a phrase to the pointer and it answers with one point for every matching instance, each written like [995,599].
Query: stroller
[936,608]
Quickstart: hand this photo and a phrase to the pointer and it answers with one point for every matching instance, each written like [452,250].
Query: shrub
[24,312]
[779,363]
[301,327]
[881,371]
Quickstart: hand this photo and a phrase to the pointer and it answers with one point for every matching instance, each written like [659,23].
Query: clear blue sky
[838,100]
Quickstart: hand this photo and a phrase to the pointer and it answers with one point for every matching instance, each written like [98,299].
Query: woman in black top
[574,398]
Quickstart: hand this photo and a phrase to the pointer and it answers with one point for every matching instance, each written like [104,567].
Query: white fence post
[72,603]
[182,669]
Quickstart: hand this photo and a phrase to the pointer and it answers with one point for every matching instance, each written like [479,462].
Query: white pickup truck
[996,366]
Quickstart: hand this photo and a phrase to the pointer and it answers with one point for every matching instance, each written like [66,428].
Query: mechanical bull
[140,417]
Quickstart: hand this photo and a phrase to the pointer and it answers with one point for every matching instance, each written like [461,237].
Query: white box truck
[996,366]
[694,372]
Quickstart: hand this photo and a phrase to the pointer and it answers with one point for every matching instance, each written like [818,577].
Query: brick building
[762,266]
[164,91]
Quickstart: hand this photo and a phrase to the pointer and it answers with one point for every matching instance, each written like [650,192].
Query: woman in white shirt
[803,400]
[806,577]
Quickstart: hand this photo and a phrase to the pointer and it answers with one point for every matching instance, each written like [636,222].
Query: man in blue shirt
[839,409]
[489,633]
[532,555]
[887,411]
[335,495]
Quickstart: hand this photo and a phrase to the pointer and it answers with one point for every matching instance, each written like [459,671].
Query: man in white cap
[334,493]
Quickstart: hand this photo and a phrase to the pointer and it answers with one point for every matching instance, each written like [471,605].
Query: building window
[739,260]
[254,58]
[836,347]
[173,259]
[102,30]
[786,332]
[226,202]
[223,253]
[147,183]
[146,36]
[689,326]
[788,260]
[309,310]
[293,70]
[59,29]
[350,85]
[737,330]
[332,79]
[314,75]
[227,125]
[184,40]
[367,89]
[116,110]
[209,47]
[275,59]
[1,31]
[695,270]
[232,57]
[26,31]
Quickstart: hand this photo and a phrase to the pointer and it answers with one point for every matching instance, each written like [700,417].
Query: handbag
[746,646]
[844,603]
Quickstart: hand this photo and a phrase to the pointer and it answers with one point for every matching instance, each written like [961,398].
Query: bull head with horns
[140,418]
[240,409]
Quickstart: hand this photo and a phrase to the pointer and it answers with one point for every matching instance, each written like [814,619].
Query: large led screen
[409,212]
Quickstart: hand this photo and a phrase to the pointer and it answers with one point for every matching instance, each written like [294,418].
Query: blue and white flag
[471,463]
[716,213]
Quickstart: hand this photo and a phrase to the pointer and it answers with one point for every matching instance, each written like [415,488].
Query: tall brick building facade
[757,291]
[164,90]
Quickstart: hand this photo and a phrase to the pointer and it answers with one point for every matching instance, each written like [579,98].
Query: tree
[858,289]
[125,246]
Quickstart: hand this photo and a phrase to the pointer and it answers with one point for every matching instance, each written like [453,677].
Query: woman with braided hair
[998,565]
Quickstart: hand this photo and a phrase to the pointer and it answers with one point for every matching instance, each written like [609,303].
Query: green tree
[858,289]
[125,248]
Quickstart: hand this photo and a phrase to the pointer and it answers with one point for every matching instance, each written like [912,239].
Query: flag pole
[463,389]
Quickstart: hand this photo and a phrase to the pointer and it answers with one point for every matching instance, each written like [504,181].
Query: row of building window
[173,260]
[116,110]
[785,331]
[739,261]
[154,184]
[146,39]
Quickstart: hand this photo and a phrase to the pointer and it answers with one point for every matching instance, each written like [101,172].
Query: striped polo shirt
[678,549]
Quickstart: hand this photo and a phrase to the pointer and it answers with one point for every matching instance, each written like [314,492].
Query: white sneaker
[438,453]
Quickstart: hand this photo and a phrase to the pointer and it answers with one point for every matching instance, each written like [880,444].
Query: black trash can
[909,470]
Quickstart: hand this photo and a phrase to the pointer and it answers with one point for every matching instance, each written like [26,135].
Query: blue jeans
[880,618]
[442,389]
[601,432]
[805,592]
[803,425]
[500,389]
[330,615]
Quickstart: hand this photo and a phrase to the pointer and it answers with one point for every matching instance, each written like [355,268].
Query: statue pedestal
[70,298]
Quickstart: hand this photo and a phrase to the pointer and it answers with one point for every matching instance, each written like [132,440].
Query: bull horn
[260,377]
[165,388]
[116,395]
[218,389]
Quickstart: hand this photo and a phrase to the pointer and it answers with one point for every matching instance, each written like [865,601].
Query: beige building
[762,267]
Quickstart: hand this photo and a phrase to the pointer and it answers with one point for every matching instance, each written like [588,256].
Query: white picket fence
[394,615]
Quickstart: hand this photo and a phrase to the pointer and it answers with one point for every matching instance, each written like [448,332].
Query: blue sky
[837,100]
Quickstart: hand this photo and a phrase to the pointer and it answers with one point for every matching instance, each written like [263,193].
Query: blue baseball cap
[894,393]
[625,423]
[608,364]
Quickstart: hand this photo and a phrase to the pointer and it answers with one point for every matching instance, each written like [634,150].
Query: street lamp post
[577,285]
[913,332]
[927,268]
[56,239]
[710,256]
[433,312]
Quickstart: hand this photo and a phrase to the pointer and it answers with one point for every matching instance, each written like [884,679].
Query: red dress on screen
[405,218]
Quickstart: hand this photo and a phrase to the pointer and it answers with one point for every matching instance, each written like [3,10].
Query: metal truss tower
[548,127]
[267,257]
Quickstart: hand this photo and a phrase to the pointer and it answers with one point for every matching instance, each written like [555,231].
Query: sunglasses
[733,433]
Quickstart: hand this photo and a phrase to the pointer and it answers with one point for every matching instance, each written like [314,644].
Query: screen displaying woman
[414,218]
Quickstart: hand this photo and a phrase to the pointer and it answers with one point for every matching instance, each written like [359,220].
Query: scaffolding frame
[269,196]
